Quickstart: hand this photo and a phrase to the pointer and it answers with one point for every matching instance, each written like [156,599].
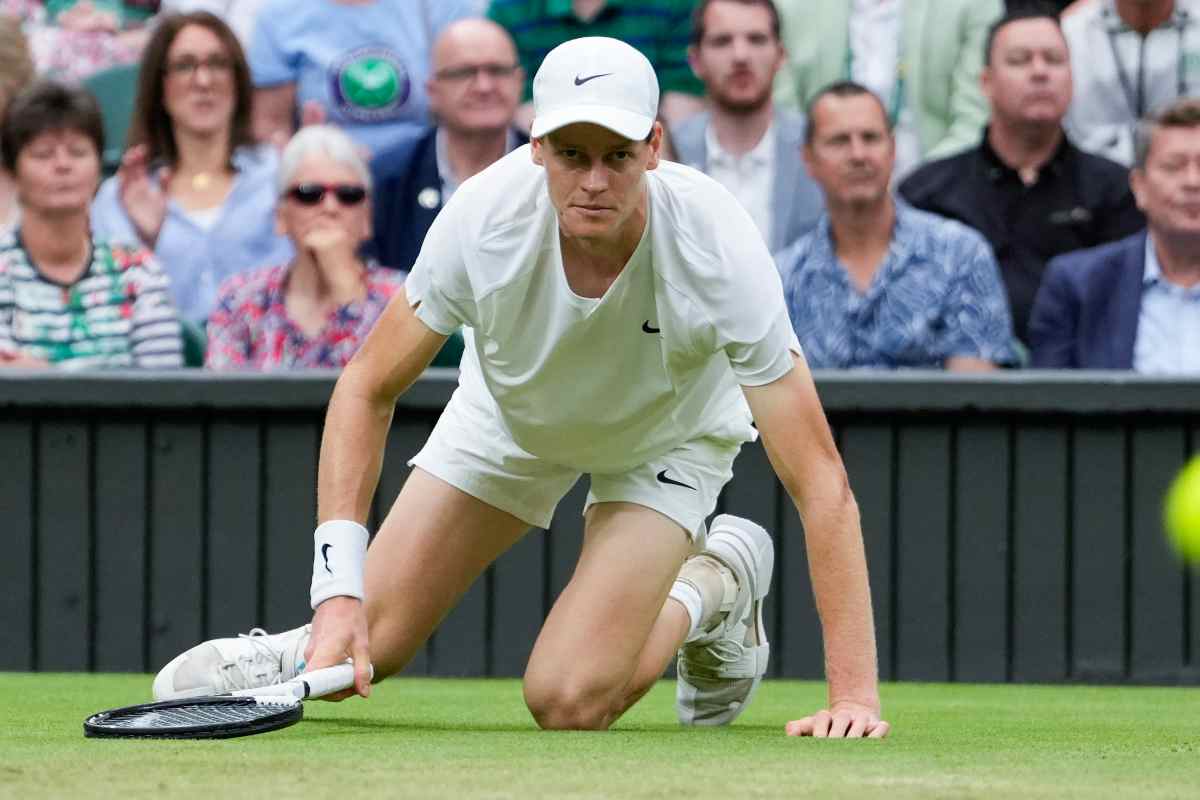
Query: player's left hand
[844,720]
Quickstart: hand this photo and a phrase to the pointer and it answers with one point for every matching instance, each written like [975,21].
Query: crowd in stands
[957,184]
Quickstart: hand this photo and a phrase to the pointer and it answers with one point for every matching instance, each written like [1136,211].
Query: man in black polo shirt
[1026,188]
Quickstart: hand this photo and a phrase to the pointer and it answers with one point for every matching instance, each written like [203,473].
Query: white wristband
[339,550]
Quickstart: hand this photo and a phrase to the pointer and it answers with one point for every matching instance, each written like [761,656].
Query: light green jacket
[942,50]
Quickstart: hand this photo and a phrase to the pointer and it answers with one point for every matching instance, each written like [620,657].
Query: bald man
[474,89]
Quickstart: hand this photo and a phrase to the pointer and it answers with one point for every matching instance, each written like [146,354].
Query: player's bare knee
[569,707]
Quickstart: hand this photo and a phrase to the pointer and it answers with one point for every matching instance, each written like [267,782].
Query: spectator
[16,71]
[744,142]
[1135,304]
[474,87]
[359,64]
[317,310]
[923,56]
[239,15]
[194,187]
[1025,187]
[1131,58]
[659,28]
[67,296]
[877,283]
[74,39]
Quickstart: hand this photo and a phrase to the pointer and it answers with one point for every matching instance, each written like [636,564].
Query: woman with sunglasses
[316,310]
[194,187]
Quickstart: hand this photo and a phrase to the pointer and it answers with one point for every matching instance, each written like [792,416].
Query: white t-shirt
[749,177]
[605,384]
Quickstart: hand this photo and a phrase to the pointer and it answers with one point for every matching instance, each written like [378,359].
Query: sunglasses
[310,194]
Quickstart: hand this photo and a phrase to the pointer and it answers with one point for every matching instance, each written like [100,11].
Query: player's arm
[796,435]
[394,355]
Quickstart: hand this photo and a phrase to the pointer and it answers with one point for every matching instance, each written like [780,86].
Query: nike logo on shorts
[662,478]
[581,81]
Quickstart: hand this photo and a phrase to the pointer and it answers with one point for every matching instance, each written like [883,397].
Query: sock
[687,595]
[711,589]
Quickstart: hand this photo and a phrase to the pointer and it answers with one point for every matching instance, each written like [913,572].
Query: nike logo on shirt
[662,478]
[581,81]
[646,327]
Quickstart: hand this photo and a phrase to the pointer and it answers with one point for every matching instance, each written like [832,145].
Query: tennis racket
[241,713]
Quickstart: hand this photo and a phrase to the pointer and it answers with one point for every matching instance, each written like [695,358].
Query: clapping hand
[144,198]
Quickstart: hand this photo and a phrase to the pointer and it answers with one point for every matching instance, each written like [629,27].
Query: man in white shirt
[744,142]
[1130,58]
[625,320]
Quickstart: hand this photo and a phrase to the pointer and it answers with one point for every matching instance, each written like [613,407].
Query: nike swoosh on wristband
[325,555]
[581,81]
[646,327]
[662,478]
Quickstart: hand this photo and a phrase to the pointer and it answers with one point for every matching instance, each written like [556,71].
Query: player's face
[738,57]
[476,84]
[1167,188]
[1029,79]
[596,177]
[199,89]
[852,152]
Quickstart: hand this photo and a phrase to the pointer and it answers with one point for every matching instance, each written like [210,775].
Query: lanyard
[894,104]
[1136,100]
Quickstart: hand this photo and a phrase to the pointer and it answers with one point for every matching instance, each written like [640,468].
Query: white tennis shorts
[471,450]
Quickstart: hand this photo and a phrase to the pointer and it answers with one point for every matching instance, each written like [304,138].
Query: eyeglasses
[187,66]
[472,71]
[310,194]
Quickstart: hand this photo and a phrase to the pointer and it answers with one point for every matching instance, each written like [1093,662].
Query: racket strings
[195,715]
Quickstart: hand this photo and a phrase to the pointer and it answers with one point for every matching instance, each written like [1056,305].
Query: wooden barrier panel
[1011,522]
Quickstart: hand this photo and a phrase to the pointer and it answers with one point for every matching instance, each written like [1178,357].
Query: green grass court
[473,739]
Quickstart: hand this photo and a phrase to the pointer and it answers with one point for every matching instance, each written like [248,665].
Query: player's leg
[472,494]
[434,543]
[608,636]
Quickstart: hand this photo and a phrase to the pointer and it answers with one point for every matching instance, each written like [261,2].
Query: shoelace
[726,650]
[260,668]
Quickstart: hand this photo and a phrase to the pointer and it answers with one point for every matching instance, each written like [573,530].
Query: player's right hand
[339,631]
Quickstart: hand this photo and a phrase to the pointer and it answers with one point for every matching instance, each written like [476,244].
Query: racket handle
[317,683]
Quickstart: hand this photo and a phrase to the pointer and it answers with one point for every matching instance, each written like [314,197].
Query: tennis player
[624,319]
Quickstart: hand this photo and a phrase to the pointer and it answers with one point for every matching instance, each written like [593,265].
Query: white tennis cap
[595,79]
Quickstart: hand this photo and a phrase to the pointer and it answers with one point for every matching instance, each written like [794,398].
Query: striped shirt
[117,314]
[661,29]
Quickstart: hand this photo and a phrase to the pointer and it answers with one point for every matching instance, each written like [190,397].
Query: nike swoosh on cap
[646,327]
[581,81]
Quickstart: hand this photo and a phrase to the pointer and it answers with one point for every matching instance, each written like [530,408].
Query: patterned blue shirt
[937,295]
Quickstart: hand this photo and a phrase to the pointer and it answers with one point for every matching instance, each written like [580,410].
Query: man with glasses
[474,88]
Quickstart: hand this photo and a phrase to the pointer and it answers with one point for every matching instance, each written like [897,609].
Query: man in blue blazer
[744,142]
[474,88]
[1135,303]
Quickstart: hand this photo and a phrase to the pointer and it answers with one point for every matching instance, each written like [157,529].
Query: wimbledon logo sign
[370,84]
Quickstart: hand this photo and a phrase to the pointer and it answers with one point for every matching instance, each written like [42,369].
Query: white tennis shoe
[719,670]
[218,666]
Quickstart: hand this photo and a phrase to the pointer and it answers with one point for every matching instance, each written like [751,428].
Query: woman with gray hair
[316,310]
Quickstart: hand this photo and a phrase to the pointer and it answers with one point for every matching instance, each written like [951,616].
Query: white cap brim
[632,126]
